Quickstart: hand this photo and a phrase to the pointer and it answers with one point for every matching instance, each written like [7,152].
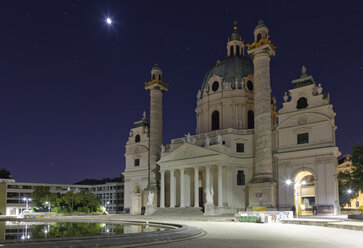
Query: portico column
[182,204]
[172,189]
[207,177]
[220,204]
[162,189]
[196,187]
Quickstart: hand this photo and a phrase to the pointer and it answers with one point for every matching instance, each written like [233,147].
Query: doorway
[304,193]
[136,201]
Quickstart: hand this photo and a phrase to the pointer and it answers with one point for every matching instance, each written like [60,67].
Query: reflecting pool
[23,231]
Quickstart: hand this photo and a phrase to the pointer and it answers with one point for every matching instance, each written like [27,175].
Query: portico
[188,171]
[190,181]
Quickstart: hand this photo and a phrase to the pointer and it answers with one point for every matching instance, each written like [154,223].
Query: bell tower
[262,190]
[156,87]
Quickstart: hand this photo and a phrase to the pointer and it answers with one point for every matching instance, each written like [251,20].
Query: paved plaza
[234,234]
[221,232]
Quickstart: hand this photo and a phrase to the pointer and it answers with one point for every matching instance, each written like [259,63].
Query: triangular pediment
[187,151]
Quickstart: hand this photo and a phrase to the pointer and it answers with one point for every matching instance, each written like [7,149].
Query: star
[108,20]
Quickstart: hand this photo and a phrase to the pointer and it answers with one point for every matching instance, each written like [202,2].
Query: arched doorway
[304,193]
[136,201]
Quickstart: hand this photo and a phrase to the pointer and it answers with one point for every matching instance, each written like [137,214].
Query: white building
[244,154]
[15,197]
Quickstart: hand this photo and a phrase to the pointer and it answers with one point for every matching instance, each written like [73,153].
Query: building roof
[230,69]
[142,123]
[303,81]
[260,24]
[236,36]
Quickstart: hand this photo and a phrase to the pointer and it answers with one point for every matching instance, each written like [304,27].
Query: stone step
[178,212]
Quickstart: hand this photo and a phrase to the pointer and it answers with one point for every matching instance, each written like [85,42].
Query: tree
[351,182]
[5,174]
[87,200]
[70,200]
[40,195]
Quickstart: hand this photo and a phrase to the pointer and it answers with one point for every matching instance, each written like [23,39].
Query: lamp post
[296,194]
[27,200]
[48,203]
[106,203]
[356,200]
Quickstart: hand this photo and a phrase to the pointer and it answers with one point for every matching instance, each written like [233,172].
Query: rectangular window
[241,178]
[137,162]
[12,195]
[240,147]
[303,138]
[13,186]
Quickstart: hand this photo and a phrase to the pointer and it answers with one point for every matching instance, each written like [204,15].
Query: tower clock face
[250,85]
[215,86]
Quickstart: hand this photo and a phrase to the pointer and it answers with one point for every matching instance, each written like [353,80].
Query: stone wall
[3,198]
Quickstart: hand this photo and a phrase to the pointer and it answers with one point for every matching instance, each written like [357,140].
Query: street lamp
[48,203]
[356,200]
[27,200]
[296,194]
[106,203]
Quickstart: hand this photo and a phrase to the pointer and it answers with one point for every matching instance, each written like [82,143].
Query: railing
[215,133]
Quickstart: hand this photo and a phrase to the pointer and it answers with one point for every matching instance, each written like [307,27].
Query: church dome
[230,69]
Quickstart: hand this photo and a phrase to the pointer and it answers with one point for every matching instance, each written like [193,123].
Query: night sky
[71,86]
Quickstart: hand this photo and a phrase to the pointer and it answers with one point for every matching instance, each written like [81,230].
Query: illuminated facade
[244,150]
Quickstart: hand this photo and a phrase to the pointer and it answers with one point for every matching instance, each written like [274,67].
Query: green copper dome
[230,69]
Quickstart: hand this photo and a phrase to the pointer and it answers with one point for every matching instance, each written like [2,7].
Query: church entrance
[136,201]
[304,192]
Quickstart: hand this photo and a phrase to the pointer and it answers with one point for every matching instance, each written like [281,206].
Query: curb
[179,233]
[332,224]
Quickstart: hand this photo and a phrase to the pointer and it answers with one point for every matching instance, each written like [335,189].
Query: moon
[108,20]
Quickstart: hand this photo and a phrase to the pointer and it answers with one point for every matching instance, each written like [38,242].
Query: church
[246,154]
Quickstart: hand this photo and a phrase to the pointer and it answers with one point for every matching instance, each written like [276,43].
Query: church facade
[245,154]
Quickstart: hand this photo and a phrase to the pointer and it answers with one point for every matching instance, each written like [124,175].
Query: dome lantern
[235,45]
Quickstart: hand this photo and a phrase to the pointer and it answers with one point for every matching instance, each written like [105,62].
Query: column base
[262,194]
[149,210]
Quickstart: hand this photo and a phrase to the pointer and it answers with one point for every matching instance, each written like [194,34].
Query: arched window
[259,36]
[215,120]
[237,50]
[154,76]
[137,138]
[159,77]
[302,103]
[251,119]
[249,85]
[241,178]
[231,51]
